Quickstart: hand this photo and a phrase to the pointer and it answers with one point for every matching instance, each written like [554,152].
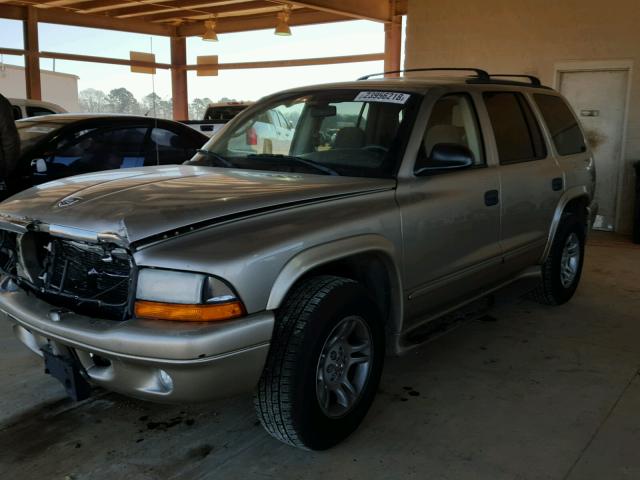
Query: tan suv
[289,275]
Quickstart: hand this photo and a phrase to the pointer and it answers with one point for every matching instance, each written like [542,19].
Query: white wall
[532,36]
[59,88]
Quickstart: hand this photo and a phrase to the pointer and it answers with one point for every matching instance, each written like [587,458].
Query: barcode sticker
[385,97]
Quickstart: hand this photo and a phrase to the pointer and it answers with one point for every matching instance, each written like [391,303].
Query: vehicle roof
[420,84]
[230,104]
[64,118]
[34,103]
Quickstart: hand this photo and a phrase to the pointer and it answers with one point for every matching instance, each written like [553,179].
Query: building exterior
[59,88]
[587,49]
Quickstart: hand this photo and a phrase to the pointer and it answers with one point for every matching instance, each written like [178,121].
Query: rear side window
[562,125]
[517,133]
[38,111]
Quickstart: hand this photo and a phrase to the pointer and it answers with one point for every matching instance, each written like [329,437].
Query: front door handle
[491,198]
[557,184]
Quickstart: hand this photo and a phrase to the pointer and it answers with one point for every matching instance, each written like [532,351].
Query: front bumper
[154,360]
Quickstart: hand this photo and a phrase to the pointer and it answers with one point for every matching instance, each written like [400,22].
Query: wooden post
[31,59]
[179,78]
[393,45]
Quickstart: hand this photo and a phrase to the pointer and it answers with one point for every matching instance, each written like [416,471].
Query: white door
[599,99]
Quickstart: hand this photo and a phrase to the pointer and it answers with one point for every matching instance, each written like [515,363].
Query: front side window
[562,124]
[453,121]
[167,147]
[516,131]
[349,133]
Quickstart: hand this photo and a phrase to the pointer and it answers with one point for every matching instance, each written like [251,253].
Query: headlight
[185,296]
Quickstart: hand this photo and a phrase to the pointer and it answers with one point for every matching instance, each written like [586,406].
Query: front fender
[319,255]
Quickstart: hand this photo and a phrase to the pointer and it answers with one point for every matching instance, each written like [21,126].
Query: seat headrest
[350,137]
[443,134]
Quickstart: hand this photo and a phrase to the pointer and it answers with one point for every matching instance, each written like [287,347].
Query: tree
[198,107]
[123,101]
[93,101]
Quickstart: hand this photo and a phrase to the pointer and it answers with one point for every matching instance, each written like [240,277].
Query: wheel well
[578,206]
[369,269]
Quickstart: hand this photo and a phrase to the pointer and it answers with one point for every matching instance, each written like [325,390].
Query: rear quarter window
[561,123]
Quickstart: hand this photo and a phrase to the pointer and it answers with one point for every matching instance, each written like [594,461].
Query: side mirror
[39,165]
[444,157]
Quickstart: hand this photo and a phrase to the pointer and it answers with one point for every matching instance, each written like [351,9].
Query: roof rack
[534,81]
[481,75]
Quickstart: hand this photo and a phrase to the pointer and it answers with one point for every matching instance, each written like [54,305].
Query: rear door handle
[491,198]
[557,184]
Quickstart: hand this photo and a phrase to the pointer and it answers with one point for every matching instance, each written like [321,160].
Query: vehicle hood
[139,203]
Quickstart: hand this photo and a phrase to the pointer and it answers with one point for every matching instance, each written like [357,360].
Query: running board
[434,326]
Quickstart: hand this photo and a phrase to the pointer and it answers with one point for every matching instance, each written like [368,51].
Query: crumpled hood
[142,202]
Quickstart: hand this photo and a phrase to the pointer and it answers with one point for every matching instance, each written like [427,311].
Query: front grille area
[89,279]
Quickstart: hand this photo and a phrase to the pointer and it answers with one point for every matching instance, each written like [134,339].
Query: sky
[342,38]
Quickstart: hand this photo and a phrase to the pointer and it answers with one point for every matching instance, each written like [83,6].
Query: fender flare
[568,196]
[325,253]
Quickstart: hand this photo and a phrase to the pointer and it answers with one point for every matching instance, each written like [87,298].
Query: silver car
[399,201]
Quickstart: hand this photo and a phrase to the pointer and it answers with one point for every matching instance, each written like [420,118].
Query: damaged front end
[87,273]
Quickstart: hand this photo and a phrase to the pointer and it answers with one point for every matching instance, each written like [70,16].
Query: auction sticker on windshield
[386,97]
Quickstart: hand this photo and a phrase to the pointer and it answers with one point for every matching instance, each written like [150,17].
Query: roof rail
[495,79]
[481,75]
[535,81]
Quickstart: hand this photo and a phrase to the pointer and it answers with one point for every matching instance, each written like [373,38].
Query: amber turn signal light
[188,313]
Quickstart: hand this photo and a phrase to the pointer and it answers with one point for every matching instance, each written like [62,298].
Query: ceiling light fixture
[210,34]
[282,27]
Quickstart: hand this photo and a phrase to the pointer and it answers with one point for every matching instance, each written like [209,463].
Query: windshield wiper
[304,161]
[216,156]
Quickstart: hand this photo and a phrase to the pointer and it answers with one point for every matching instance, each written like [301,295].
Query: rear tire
[328,330]
[562,270]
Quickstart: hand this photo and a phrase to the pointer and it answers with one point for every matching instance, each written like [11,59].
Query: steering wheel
[376,148]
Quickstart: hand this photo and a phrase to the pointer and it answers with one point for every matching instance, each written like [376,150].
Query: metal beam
[179,85]
[108,60]
[31,59]
[299,62]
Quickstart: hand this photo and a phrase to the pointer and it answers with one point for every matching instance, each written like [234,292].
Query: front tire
[324,364]
[562,270]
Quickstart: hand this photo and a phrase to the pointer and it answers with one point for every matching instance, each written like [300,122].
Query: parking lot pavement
[527,392]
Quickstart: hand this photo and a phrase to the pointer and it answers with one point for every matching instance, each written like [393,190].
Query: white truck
[217,116]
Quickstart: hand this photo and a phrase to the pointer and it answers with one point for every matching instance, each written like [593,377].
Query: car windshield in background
[223,114]
[347,132]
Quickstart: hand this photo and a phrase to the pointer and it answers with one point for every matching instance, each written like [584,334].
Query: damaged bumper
[153,360]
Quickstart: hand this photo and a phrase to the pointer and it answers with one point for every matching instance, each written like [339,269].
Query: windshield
[31,132]
[223,113]
[350,133]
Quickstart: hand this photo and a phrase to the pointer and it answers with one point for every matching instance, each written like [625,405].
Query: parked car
[58,146]
[292,274]
[217,116]
[23,108]
[267,133]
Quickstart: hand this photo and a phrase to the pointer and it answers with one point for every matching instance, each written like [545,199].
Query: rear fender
[568,196]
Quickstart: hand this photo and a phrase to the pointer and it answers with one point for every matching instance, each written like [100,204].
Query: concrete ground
[530,392]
